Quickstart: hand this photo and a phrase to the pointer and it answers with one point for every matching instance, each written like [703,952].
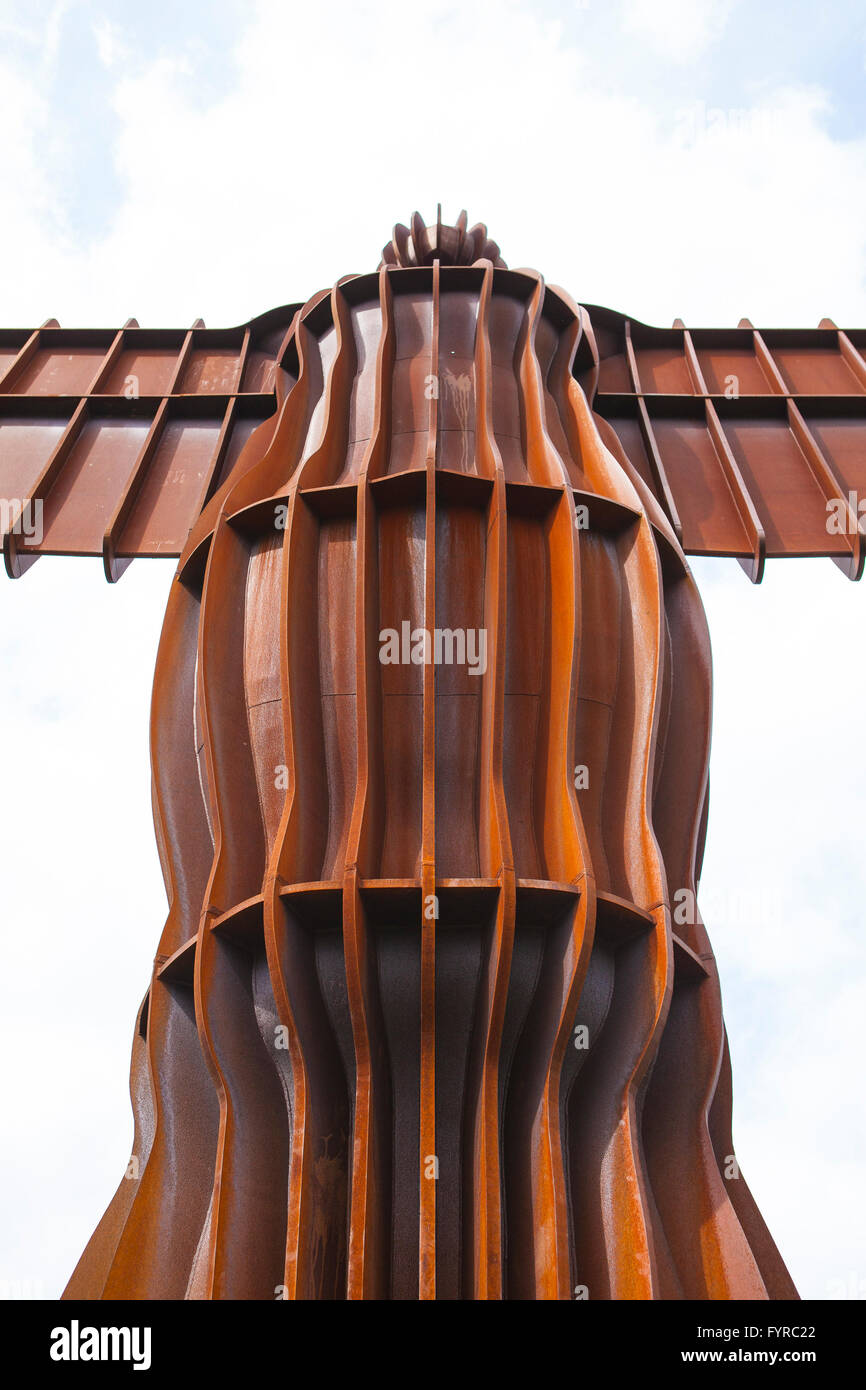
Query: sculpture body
[421,1023]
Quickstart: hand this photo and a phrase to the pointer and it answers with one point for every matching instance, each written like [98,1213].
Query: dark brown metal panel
[63,364]
[729,363]
[751,479]
[810,365]
[27,441]
[840,430]
[173,483]
[706,503]
[89,486]
[107,485]
[788,497]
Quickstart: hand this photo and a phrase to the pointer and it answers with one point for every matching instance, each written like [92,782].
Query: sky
[701,159]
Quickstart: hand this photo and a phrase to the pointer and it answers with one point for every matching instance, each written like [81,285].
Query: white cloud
[680,30]
[109,43]
[786,818]
[296,171]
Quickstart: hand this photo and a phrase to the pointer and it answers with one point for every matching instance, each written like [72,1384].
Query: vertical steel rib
[368,1275]
[628,1046]
[484,1234]
[569,943]
[428,1159]
[314,1241]
[237,1260]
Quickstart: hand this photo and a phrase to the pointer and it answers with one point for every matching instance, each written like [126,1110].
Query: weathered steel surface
[405,894]
[753,441]
[124,436]
[743,436]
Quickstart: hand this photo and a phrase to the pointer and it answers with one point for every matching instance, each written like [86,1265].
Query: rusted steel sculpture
[430,735]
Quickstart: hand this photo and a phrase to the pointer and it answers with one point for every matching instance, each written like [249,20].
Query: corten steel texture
[404,894]
[743,436]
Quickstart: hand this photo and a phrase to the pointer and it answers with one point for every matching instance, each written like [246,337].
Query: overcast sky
[695,158]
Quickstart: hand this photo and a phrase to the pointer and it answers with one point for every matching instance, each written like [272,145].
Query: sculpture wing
[754,441]
[111,443]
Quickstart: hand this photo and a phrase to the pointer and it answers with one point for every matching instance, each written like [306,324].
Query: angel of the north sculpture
[433,1013]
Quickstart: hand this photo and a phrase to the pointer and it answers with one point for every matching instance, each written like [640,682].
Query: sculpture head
[450,245]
